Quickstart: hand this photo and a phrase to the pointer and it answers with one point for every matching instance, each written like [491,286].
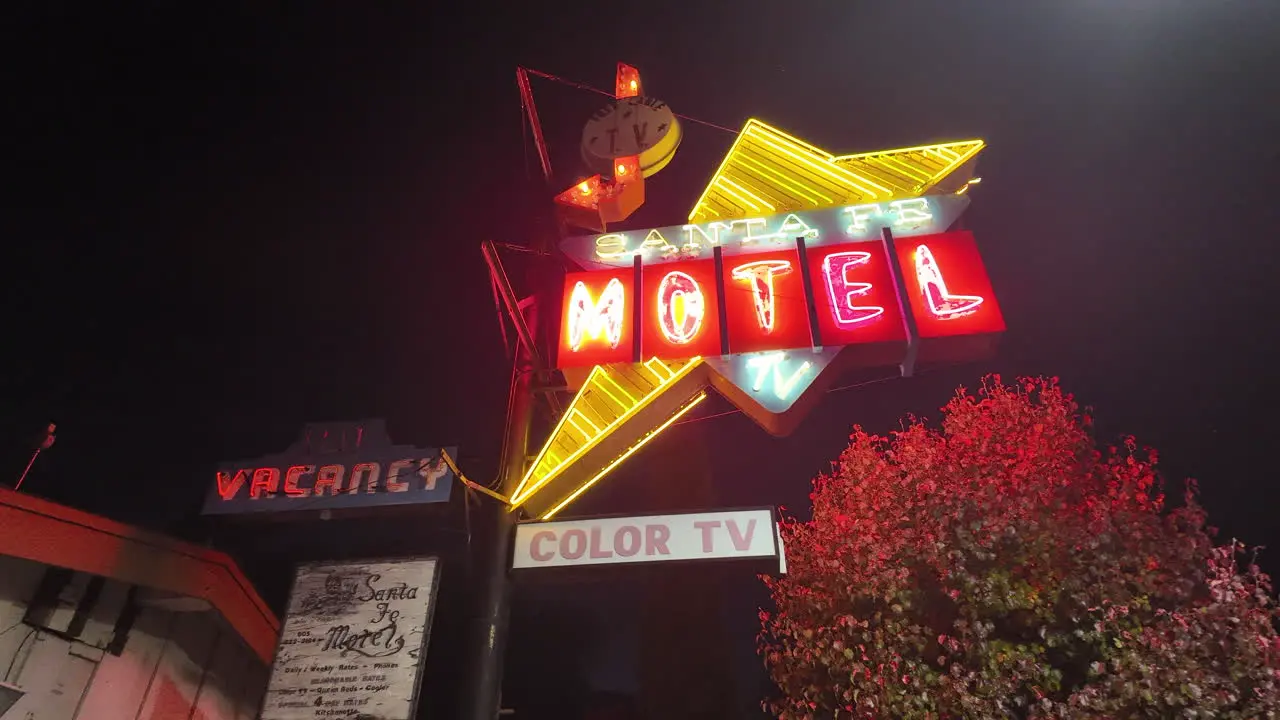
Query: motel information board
[353,641]
[728,535]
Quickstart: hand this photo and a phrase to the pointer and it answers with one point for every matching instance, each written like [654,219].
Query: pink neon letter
[589,319]
[941,303]
[535,546]
[656,537]
[835,271]
[760,274]
[706,526]
[674,288]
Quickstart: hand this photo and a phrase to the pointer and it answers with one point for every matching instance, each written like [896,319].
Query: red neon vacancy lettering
[328,477]
[941,302]
[394,484]
[681,307]
[291,477]
[229,484]
[591,319]
[369,473]
[844,293]
[265,481]
[760,276]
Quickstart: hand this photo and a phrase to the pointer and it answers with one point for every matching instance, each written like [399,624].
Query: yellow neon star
[621,407]
[767,171]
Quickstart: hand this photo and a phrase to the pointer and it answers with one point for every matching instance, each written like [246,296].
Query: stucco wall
[172,664]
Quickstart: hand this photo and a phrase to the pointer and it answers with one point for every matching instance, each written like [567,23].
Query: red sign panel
[854,294]
[765,304]
[773,303]
[597,327]
[680,310]
[948,287]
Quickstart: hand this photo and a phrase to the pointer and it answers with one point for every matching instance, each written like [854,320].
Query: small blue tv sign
[333,467]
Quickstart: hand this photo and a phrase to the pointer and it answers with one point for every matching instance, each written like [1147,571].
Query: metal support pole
[489,644]
[27,469]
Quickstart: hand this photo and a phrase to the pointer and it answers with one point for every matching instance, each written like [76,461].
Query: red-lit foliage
[1002,567]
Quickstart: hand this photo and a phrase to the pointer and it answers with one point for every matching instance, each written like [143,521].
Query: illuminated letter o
[676,288]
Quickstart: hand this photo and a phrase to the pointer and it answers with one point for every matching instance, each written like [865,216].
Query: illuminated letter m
[590,319]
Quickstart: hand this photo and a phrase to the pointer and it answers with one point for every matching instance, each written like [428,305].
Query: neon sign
[907,217]
[679,315]
[773,388]
[360,469]
[761,311]
[941,303]
[681,305]
[759,275]
[768,322]
[782,276]
[947,287]
[770,369]
[767,302]
[591,319]
[597,323]
[844,293]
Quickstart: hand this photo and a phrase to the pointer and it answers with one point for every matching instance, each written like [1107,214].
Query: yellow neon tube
[920,148]
[629,452]
[519,497]
[732,149]
[563,419]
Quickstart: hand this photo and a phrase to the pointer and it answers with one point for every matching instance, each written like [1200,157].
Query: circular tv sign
[638,126]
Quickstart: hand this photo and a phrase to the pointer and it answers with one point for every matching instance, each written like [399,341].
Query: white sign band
[729,535]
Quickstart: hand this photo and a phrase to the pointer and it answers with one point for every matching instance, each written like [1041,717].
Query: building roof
[45,532]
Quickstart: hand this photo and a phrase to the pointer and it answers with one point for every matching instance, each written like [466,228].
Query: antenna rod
[526,100]
[45,444]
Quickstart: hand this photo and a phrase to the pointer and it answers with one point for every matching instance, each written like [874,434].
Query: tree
[1002,567]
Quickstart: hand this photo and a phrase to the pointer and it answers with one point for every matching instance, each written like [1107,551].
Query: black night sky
[225,221]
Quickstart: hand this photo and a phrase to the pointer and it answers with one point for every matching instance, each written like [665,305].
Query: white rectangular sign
[353,641]
[652,538]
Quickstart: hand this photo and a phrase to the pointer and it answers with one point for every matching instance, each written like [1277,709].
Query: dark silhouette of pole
[489,645]
[45,444]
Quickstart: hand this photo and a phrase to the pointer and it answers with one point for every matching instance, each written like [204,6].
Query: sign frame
[355,464]
[427,623]
[774,539]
